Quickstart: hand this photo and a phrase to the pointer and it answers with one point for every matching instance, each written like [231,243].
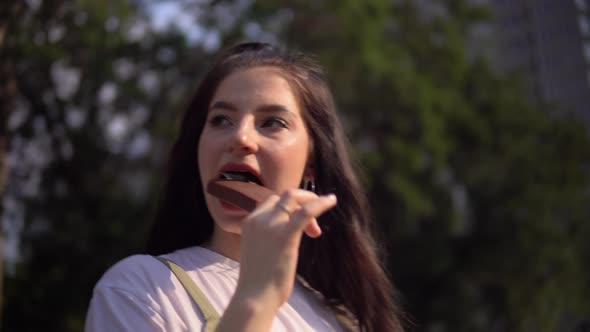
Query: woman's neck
[226,244]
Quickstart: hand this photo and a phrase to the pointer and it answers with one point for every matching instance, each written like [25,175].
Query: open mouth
[240,176]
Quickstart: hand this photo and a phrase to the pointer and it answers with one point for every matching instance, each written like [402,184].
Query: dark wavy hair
[342,264]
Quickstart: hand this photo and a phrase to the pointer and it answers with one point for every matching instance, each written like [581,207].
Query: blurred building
[548,43]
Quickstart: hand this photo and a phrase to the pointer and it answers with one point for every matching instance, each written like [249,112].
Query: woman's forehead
[257,85]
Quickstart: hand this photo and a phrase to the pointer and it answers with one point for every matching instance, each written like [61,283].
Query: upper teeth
[240,176]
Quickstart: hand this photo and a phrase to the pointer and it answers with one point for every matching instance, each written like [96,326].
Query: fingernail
[331,197]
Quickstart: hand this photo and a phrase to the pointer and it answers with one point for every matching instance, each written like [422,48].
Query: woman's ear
[308,181]
[309,173]
[310,164]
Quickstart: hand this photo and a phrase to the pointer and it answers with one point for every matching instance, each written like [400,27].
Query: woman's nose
[244,139]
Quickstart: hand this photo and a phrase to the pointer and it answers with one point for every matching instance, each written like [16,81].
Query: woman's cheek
[209,149]
[291,141]
[286,161]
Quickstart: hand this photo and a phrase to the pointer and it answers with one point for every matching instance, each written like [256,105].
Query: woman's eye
[219,120]
[275,123]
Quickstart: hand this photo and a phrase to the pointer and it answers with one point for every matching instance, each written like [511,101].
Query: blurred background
[469,121]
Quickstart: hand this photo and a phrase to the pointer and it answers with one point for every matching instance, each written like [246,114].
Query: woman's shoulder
[137,271]
[145,271]
[142,292]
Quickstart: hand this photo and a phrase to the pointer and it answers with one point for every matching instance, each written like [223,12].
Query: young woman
[303,260]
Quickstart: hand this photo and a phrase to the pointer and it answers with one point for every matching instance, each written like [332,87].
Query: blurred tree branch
[10,11]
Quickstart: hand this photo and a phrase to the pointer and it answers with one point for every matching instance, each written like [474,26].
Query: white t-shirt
[140,293]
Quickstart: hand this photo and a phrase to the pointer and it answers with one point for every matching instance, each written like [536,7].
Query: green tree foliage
[481,199]
[93,117]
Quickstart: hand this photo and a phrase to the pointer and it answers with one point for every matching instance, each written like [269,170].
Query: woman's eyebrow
[268,108]
[224,106]
[271,108]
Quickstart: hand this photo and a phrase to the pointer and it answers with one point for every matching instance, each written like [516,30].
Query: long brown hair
[342,264]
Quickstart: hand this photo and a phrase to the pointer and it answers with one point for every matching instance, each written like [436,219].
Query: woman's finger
[299,208]
[304,218]
[291,200]
[313,228]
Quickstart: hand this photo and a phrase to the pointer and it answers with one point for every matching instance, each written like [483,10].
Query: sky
[166,14]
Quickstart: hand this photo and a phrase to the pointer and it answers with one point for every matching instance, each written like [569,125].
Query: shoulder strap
[347,323]
[212,318]
[340,312]
[209,314]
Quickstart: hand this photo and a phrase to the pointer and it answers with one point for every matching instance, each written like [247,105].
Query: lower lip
[229,207]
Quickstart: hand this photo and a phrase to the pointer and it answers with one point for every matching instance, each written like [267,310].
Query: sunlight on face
[254,119]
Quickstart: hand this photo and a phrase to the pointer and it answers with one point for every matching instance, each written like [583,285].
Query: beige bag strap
[209,314]
[341,313]
[347,323]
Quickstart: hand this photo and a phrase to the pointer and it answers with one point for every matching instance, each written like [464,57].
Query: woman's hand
[270,240]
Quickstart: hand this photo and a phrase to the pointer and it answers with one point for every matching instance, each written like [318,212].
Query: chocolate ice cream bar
[245,195]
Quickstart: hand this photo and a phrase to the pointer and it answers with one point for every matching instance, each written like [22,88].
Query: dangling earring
[309,185]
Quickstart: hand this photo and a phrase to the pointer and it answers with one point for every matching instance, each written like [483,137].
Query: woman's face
[254,124]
